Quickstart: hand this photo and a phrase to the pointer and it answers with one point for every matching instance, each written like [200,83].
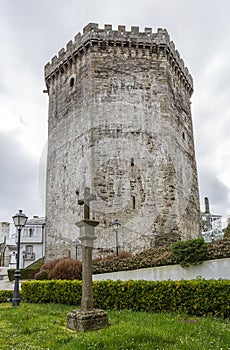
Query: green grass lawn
[43,327]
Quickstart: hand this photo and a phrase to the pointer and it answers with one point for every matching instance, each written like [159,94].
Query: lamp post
[23,257]
[19,221]
[116,226]
[155,232]
[77,244]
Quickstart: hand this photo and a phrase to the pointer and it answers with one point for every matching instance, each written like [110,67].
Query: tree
[227,229]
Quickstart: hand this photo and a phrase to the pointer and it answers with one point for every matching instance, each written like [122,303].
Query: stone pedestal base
[80,320]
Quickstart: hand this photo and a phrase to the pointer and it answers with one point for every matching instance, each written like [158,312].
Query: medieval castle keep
[120,123]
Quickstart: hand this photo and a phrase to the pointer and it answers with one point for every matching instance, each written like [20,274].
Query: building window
[71,82]
[29,249]
[134,202]
[132,161]
[29,254]
[31,232]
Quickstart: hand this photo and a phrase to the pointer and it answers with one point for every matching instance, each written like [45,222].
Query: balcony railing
[29,256]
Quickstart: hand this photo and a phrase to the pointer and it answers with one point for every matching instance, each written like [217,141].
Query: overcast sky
[32,32]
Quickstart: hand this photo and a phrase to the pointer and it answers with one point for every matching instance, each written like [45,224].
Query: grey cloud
[18,185]
[215,190]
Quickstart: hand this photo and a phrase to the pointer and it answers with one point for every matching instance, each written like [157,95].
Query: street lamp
[19,221]
[77,244]
[155,233]
[116,226]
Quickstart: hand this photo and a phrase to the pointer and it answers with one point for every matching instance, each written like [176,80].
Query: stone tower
[120,123]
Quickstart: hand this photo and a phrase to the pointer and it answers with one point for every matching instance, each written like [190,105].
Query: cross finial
[85,201]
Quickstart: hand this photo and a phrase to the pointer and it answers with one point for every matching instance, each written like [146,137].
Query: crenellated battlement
[158,43]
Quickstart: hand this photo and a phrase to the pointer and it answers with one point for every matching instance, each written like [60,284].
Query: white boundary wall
[212,269]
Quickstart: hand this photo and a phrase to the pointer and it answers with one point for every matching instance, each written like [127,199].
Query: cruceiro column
[87,318]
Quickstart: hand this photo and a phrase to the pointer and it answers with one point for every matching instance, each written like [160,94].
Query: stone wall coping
[209,269]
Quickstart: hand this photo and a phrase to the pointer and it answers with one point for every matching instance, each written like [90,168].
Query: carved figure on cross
[86,201]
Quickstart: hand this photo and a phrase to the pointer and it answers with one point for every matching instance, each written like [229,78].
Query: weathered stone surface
[120,123]
[80,320]
[87,238]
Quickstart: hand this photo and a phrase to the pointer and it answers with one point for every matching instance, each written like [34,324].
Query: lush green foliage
[43,327]
[63,269]
[191,252]
[56,291]
[195,297]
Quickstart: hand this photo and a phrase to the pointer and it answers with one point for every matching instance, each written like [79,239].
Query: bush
[63,269]
[191,252]
[156,256]
[219,249]
[160,256]
[54,291]
[27,273]
[6,295]
[196,297]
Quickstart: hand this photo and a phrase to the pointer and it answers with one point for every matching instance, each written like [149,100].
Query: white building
[32,247]
[32,243]
[4,238]
[211,224]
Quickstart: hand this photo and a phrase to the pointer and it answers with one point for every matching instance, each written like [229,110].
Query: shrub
[63,268]
[196,297]
[6,295]
[27,273]
[160,256]
[156,256]
[219,249]
[191,252]
[54,291]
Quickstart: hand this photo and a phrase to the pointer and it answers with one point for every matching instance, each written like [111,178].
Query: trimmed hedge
[52,291]
[196,297]
[6,295]
[26,274]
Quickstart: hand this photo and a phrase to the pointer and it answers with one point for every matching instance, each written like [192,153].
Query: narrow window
[71,83]
[31,230]
[132,161]
[134,202]
[183,135]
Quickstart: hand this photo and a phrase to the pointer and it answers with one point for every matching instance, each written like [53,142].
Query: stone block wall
[120,123]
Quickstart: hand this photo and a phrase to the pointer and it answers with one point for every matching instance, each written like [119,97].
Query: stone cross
[87,318]
[86,202]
